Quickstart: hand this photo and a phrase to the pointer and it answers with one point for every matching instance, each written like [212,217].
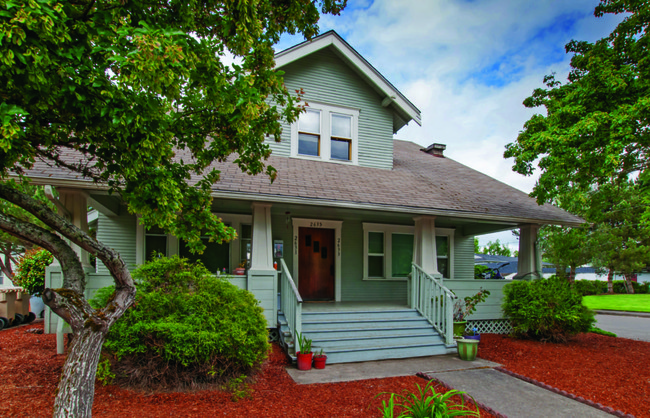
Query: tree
[496,248]
[134,95]
[596,125]
[565,247]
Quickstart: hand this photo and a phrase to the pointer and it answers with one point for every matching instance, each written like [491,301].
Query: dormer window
[327,133]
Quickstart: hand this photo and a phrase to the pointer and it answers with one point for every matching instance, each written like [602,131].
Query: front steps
[365,335]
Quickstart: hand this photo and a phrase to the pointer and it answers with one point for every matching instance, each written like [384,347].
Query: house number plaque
[315,224]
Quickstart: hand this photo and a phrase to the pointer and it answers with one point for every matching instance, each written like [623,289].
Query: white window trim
[325,133]
[388,231]
[323,224]
[173,246]
[449,233]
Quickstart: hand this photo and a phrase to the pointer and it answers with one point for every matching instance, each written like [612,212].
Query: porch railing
[290,302]
[433,300]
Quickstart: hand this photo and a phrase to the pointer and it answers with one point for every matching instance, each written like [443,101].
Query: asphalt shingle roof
[418,181]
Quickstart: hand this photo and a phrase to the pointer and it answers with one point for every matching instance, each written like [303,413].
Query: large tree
[135,95]
[596,126]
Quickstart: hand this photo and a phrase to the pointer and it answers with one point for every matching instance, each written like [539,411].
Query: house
[370,234]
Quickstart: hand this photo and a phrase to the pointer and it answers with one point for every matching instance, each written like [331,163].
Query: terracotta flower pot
[467,349]
[319,361]
[304,360]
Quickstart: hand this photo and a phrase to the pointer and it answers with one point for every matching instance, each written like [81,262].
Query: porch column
[262,277]
[424,247]
[262,257]
[76,205]
[529,261]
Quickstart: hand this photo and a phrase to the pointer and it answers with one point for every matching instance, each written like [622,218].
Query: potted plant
[304,356]
[467,349]
[465,307]
[472,335]
[320,360]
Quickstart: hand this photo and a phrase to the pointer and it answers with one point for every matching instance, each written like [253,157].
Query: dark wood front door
[316,263]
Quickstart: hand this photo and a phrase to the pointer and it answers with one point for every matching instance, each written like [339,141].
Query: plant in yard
[304,355]
[30,273]
[467,306]
[546,309]
[186,328]
[426,403]
[304,343]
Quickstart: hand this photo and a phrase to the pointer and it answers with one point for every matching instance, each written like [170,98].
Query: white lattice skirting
[490,326]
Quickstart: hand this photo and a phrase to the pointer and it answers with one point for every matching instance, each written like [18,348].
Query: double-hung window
[388,251]
[326,133]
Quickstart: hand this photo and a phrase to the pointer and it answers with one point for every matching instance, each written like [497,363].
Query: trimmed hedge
[597,287]
[546,309]
[186,328]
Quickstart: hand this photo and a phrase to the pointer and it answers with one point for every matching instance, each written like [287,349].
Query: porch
[364,331]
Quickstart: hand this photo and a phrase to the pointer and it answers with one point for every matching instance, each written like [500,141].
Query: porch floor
[351,306]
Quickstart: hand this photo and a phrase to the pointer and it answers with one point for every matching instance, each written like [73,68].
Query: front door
[316,263]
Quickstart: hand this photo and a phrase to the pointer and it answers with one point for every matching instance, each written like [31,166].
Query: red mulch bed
[614,372]
[30,370]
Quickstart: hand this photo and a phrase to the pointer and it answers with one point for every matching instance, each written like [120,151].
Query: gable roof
[391,96]
[418,184]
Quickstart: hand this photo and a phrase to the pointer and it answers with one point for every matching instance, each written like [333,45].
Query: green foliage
[186,327]
[479,269]
[30,273]
[104,374]
[304,343]
[129,86]
[623,302]
[546,309]
[496,248]
[426,403]
[467,306]
[596,330]
[239,388]
[595,126]
[598,287]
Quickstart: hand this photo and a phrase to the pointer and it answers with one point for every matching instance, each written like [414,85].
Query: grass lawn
[636,303]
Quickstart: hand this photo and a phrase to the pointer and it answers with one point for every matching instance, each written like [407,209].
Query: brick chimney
[436,150]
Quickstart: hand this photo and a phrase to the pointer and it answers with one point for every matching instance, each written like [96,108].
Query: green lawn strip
[633,303]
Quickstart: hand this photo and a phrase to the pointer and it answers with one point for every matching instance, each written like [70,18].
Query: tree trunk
[572,274]
[76,389]
[628,284]
[610,281]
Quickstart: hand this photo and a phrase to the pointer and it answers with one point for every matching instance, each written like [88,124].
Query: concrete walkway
[502,393]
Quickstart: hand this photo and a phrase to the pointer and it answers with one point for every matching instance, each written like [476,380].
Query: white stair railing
[290,302]
[433,300]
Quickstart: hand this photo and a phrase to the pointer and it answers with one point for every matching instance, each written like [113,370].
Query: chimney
[436,150]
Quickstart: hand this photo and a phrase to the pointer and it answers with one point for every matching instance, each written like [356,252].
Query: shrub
[187,328]
[30,273]
[546,309]
[590,287]
[619,287]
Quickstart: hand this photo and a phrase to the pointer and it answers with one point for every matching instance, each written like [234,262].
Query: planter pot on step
[319,361]
[304,360]
[467,349]
[459,328]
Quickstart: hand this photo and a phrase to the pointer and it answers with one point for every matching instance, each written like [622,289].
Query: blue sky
[468,66]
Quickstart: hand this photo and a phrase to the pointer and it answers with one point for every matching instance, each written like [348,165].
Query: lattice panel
[490,326]
[274,335]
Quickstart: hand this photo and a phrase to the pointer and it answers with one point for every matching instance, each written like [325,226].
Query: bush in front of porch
[546,309]
[187,328]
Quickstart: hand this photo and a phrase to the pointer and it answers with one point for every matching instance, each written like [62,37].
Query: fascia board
[353,57]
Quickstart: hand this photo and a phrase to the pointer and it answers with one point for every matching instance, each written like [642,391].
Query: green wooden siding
[117,232]
[491,308]
[463,256]
[325,78]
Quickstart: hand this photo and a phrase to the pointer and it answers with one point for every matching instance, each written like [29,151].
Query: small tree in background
[496,248]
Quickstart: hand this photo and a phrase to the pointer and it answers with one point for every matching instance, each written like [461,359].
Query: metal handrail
[291,302]
[433,300]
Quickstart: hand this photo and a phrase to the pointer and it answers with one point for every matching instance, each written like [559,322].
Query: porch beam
[75,205]
[529,264]
[262,257]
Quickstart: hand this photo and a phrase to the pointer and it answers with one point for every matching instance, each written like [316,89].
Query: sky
[468,65]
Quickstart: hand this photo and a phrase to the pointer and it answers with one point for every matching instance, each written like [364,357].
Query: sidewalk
[501,392]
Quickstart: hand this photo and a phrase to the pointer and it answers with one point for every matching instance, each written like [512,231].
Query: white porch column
[262,257]
[529,261]
[76,203]
[425,254]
